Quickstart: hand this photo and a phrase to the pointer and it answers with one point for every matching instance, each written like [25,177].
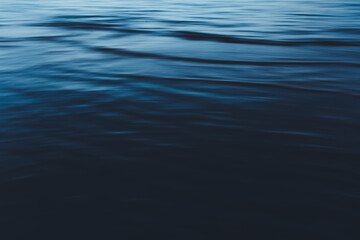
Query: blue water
[180,119]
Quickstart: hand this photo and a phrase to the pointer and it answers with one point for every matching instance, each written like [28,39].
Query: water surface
[180,119]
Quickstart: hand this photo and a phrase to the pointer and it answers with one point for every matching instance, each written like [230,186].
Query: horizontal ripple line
[217,82]
[228,39]
[91,26]
[123,52]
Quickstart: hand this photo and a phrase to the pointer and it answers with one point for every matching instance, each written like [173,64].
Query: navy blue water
[180,119]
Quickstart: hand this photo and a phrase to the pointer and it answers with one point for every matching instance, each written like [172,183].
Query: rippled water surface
[180,119]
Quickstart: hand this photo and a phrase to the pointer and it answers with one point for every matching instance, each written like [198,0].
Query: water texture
[180,119]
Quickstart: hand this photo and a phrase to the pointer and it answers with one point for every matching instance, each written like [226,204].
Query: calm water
[183,120]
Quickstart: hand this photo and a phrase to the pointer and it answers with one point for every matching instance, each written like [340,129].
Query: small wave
[92,26]
[214,61]
[259,85]
[347,30]
[228,39]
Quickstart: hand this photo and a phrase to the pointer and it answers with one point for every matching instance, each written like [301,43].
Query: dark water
[180,119]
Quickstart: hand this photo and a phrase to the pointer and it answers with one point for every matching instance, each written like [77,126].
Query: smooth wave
[124,52]
[229,39]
